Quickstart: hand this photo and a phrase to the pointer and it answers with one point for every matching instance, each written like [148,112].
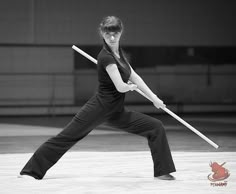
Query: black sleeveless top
[107,91]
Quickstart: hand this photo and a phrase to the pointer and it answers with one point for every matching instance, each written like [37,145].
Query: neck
[115,49]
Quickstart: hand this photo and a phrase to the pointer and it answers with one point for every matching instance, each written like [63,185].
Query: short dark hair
[111,24]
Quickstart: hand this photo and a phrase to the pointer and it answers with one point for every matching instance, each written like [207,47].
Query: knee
[159,125]
[158,128]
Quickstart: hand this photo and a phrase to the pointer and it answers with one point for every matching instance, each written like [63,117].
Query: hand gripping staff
[165,109]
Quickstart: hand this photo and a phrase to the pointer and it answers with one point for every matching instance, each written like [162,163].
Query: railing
[35,88]
[65,89]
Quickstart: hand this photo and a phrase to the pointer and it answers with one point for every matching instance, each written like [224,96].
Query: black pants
[91,115]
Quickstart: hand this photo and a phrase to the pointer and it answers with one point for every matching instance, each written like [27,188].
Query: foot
[166,177]
[25,176]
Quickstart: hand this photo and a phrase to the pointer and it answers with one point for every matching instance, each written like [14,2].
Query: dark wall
[149,22]
[152,56]
[37,63]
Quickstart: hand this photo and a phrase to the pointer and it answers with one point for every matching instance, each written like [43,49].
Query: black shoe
[167,177]
[25,176]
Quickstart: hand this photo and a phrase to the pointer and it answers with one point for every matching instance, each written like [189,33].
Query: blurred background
[184,50]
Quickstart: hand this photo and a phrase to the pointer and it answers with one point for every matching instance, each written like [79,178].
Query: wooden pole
[165,109]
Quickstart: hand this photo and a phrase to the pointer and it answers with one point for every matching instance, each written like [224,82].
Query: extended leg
[90,115]
[152,129]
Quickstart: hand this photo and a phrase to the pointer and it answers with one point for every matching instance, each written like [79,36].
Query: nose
[112,37]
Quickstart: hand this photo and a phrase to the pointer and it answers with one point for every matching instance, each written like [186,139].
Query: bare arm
[136,79]
[137,82]
[115,76]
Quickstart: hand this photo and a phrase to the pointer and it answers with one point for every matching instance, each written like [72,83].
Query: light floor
[118,172]
[112,161]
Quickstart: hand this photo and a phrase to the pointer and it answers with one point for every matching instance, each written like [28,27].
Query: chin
[112,44]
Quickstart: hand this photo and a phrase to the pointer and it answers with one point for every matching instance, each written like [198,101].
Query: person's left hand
[158,103]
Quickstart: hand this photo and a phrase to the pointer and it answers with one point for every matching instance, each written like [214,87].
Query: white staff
[165,109]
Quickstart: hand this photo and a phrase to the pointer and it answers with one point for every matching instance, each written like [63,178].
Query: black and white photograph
[121,97]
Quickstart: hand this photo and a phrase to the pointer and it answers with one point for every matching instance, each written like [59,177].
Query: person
[107,104]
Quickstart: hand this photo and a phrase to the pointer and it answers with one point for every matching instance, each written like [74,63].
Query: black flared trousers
[91,115]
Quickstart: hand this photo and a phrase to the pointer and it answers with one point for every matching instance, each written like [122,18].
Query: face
[112,38]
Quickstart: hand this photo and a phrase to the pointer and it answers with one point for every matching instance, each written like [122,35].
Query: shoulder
[105,58]
[104,55]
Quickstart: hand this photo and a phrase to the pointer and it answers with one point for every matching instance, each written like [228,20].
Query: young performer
[107,104]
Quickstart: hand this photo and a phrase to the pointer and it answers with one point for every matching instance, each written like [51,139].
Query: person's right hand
[133,87]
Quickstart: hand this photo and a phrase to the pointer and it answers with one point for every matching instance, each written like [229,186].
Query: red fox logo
[219,172]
